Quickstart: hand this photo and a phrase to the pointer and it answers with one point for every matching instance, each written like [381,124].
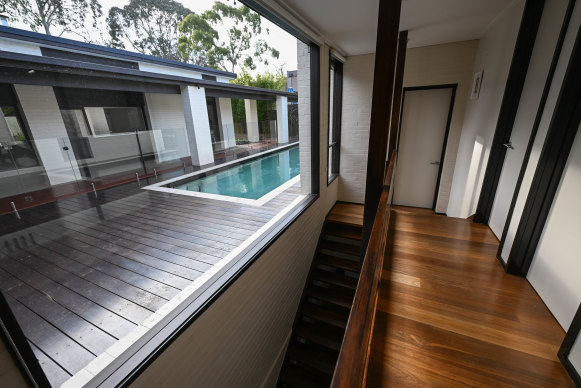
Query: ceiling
[351,25]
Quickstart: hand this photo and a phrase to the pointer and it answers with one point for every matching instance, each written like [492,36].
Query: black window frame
[334,145]
[128,370]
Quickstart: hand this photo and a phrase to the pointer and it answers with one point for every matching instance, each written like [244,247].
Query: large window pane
[129,172]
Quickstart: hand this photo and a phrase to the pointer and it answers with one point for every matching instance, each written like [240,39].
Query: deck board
[84,271]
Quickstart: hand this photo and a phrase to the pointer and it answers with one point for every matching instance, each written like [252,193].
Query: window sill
[332,178]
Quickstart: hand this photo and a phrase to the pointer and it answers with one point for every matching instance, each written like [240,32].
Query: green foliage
[240,46]
[55,17]
[148,26]
[265,80]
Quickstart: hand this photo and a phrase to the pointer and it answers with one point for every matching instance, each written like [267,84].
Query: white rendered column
[282,118]
[226,122]
[197,125]
[252,120]
[49,133]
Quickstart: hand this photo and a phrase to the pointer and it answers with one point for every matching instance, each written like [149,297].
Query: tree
[148,26]
[266,80]
[56,17]
[241,45]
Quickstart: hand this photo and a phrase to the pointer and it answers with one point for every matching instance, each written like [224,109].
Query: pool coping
[160,186]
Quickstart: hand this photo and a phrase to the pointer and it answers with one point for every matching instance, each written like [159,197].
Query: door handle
[437,162]
[508,145]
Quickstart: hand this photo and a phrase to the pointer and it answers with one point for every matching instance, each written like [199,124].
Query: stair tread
[335,279]
[295,376]
[341,247]
[327,338]
[341,230]
[348,265]
[313,358]
[330,317]
[335,295]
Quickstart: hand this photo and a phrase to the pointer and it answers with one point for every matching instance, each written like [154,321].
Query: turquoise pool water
[252,179]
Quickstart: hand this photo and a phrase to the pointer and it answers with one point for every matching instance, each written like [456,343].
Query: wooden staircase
[327,298]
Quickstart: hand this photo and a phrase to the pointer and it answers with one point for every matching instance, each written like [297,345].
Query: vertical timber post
[383,84]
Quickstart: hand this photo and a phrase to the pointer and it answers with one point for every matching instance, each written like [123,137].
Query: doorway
[425,122]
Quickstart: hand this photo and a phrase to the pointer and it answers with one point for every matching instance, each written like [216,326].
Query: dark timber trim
[68,44]
[567,345]
[397,93]
[536,124]
[336,103]
[383,85]
[315,116]
[19,347]
[560,137]
[523,50]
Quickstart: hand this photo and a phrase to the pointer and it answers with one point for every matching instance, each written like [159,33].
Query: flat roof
[34,69]
[90,48]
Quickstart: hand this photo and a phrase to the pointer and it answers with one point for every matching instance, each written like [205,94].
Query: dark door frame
[549,171]
[567,345]
[446,133]
[536,124]
[523,50]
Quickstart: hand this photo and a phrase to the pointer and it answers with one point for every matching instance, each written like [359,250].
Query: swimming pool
[249,180]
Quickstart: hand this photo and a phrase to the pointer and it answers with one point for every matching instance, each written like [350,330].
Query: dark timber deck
[82,272]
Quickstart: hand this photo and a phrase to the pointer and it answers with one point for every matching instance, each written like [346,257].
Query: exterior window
[335,100]
[130,192]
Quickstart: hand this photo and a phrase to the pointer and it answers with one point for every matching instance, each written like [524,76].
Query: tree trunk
[43,18]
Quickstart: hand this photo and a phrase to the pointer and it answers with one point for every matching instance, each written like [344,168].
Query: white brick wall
[304,91]
[357,93]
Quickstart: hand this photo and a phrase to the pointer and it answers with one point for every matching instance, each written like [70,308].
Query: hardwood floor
[449,316]
[347,213]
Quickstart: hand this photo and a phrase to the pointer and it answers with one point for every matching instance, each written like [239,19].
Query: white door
[529,104]
[423,127]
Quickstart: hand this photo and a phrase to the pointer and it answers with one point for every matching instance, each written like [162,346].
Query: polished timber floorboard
[82,272]
[449,316]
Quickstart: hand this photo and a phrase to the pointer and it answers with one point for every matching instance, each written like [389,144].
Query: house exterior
[72,117]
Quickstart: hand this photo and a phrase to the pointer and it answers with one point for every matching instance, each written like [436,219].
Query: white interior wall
[494,56]
[247,329]
[543,128]
[556,268]
[541,59]
[451,63]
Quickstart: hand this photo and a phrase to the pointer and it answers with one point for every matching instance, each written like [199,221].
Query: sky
[277,38]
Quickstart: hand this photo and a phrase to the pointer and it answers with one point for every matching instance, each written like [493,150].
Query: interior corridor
[448,315]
